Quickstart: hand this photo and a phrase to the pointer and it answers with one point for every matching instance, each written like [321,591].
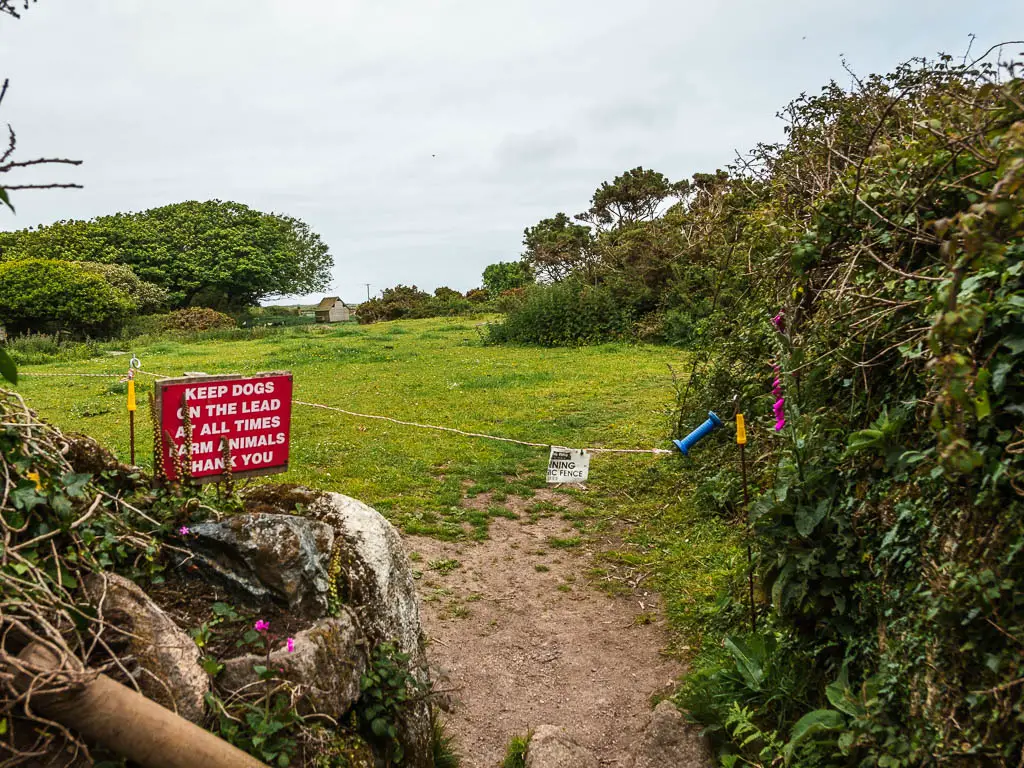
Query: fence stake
[131,414]
[741,440]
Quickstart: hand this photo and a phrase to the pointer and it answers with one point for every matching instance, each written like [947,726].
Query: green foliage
[889,524]
[148,298]
[265,732]
[195,319]
[516,751]
[213,253]
[388,686]
[410,302]
[8,370]
[442,744]
[636,195]
[557,248]
[47,294]
[506,275]
[563,314]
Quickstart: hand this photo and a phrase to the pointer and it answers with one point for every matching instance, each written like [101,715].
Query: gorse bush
[563,313]
[882,256]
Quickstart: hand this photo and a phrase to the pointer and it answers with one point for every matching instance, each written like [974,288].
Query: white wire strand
[356,414]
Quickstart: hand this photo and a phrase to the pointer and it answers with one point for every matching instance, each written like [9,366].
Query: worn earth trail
[518,638]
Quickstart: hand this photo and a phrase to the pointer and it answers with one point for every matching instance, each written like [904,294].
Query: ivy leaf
[26,496]
[75,482]
[379,726]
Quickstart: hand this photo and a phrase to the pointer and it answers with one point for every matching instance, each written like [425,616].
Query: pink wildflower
[780,402]
[291,645]
[261,625]
[184,530]
[778,320]
[780,413]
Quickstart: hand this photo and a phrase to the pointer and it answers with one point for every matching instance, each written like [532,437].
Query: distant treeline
[92,276]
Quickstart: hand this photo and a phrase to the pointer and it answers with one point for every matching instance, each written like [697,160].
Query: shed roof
[328,302]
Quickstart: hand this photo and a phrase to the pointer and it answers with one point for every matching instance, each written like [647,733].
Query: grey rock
[552,747]
[162,659]
[324,669]
[669,740]
[268,557]
[376,582]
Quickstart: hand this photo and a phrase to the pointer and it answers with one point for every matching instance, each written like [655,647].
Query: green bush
[51,295]
[883,273]
[196,319]
[148,298]
[409,302]
[563,314]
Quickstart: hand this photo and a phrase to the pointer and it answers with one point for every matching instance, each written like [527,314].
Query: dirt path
[521,640]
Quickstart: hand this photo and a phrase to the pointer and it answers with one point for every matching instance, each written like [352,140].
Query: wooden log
[125,721]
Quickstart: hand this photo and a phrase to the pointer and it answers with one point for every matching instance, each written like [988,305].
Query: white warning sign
[568,465]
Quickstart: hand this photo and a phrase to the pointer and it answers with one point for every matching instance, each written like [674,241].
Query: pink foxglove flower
[184,530]
[780,413]
[778,320]
[779,408]
[291,644]
[261,625]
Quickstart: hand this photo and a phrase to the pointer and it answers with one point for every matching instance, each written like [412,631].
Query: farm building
[331,309]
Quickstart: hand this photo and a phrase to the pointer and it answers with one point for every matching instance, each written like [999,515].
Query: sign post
[215,426]
[568,465]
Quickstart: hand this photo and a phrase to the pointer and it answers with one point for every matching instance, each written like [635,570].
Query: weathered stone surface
[265,556]
[163,660]
[668,739]
[324,669]
[376,582]
[552,747]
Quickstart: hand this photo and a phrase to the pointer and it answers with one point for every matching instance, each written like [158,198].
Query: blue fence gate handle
[698,434]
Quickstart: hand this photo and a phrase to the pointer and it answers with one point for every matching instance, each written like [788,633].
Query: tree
[636,195]
[506,275]
[556,248]
[47,294]
[213,253]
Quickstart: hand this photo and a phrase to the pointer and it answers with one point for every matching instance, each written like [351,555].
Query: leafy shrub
[883,272]
[148,298]
[505,276]
[563,314]
[196,319]
[410,302]
[52,295]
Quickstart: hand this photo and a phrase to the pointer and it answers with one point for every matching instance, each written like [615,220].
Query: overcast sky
[420,137]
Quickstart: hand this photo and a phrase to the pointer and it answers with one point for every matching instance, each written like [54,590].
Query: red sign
[252,413]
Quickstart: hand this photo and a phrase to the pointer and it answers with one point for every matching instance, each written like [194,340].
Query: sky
[420,137]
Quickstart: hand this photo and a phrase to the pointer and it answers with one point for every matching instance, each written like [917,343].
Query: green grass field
[438,372]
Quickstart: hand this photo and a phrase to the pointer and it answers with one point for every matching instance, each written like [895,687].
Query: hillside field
[439,372]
